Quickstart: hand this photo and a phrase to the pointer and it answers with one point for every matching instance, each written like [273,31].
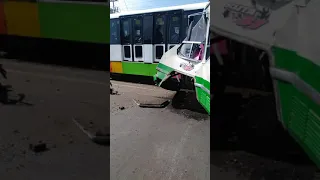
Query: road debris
[16,131]
[112,91]
[121,108]
[40,147]
[101,139]
[162,105]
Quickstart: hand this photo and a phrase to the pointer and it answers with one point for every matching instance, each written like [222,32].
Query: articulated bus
[138,39]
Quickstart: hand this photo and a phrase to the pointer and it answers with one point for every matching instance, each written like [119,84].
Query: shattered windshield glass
[190,49]
[198,32]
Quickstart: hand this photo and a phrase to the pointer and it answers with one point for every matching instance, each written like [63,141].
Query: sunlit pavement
[148,143]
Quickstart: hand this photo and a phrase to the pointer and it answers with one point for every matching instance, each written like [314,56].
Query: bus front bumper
[163,79]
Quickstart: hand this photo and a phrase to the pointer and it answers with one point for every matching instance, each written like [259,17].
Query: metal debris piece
[98,139]
[162,105]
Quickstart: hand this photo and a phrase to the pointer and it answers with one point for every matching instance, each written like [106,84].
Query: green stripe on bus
[300,114]
[75,22]
[202,81]
[164,68]
[202,96]
[139,68]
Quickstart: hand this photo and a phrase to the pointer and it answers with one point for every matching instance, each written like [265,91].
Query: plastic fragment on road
[143,105]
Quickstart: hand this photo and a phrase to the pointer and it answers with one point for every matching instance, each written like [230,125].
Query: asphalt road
[174,142]
[156,143]
[55,96]
[168,143]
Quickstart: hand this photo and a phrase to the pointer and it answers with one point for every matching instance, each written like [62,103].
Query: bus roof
[186,7]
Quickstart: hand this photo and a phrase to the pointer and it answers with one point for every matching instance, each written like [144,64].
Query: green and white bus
[138,39]
[270,47]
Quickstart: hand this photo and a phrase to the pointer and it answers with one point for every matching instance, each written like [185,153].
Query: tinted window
[147,29]
[138,51]
[174,29]
[127,53]
[159,52]
[114,31]
[126,35]
[160,29]
[137,30]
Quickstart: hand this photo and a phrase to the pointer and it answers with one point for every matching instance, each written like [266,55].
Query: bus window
[160,29]
[174,29]
[147,29]
[114,31]
[137,28]
[126,31]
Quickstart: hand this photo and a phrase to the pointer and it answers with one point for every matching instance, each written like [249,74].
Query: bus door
[138,48]
[147,33]
[126,38]
[174,28]
[159,35]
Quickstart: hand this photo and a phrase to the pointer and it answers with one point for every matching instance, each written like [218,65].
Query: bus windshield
[193,46]
[198,32]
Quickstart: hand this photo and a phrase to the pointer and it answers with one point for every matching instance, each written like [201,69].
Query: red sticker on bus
[187,66]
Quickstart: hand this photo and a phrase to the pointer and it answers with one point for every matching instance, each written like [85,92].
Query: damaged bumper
[163,78]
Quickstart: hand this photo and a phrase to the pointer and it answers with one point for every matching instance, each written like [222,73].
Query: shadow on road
[8,97]
[187,100]
[186,103]
[246,133]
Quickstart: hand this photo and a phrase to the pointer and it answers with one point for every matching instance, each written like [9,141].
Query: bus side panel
[116,67]
[22,18]
[75,22]
[137,68]
[115,53]
[300,114]
[202,78]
